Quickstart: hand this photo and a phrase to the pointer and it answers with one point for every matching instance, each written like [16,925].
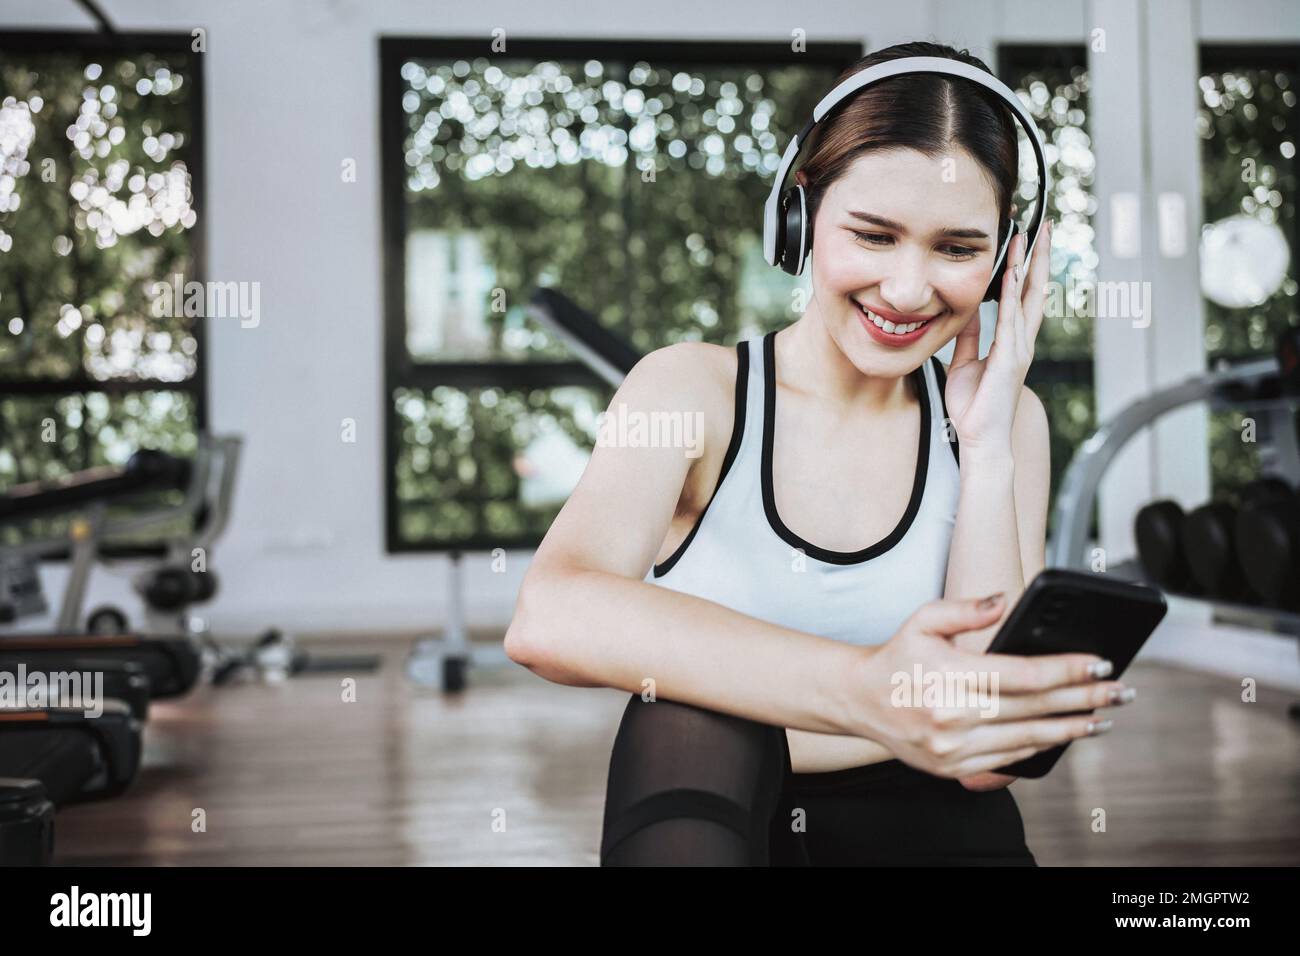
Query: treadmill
[169,657]
[60,750]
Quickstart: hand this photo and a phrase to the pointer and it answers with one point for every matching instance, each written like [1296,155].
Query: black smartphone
[1066,612]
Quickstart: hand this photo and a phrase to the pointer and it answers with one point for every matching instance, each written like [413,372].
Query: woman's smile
[891,328]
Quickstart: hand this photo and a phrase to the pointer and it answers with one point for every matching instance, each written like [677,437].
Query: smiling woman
[911,182]
[830,534]
[914,267]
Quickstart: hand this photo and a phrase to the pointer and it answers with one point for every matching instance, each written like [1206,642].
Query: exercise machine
[73,743]
[75,755]
[167,648]
[26,823]
[169,583]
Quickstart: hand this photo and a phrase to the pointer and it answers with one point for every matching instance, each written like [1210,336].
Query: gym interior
[308,310]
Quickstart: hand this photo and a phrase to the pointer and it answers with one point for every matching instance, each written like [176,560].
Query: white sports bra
[742,556]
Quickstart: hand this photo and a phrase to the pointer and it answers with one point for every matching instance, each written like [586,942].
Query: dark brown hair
[927,112]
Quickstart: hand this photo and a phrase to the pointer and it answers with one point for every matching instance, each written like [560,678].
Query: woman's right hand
[956,737]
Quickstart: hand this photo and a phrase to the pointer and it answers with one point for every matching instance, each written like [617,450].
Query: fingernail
[990,601]
[1123,696]
[1096,727]
[1100,669]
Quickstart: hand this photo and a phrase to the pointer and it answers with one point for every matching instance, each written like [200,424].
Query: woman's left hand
[982,394]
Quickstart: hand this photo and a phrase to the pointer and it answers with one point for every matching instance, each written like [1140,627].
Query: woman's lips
[890,338]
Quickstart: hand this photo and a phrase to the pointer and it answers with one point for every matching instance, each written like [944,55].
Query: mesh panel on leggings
[690,787]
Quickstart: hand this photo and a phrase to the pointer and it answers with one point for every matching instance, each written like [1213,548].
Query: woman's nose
[906,287]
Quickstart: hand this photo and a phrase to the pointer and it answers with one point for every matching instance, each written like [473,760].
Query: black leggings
[695,787]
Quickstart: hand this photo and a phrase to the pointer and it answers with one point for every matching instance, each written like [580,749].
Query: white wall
[292,90]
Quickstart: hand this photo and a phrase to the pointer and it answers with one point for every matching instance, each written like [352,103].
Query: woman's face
[906,238]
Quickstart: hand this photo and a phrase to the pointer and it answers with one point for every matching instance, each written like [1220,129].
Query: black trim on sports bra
[769,494]
[941,379]
[733,449]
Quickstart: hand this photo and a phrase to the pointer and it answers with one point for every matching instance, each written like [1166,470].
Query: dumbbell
[1268,549]
[1209,540]
[1159,532]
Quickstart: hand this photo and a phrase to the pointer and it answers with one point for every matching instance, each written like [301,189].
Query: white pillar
[1174,209]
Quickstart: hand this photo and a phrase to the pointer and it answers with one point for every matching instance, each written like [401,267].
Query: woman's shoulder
[700,373]
[699,377]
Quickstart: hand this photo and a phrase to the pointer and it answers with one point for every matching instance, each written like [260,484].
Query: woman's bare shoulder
[697,377]
[700,373]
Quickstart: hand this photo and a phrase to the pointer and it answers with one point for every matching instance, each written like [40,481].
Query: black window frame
[400,370]
[117,44]
[196,386]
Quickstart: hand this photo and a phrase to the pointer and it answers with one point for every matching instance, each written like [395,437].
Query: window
[99,200]
[629,176]
[1246,119]
[1052,82]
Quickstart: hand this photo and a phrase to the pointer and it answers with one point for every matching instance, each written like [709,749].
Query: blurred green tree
[96,205]
[1246,119]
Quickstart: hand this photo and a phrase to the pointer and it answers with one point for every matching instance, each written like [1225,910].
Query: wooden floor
[513,773]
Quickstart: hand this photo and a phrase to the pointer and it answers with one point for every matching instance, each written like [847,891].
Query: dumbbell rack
[1253,386]
[1225,612]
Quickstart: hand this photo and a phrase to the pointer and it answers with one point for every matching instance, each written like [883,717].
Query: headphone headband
[874,74]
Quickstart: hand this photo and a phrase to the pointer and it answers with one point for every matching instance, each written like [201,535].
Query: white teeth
[890,326]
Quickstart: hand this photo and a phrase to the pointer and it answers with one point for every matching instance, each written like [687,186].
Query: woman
[761,594]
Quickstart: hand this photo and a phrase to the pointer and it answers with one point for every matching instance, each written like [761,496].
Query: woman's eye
[874,238]
[881,239]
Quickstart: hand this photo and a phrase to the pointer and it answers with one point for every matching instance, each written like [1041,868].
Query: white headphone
[786,230]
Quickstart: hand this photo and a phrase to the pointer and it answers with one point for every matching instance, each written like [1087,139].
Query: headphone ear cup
[795,238]
[994,291]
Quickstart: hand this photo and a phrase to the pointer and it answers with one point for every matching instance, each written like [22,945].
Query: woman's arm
[1008,502]
[999,541]
[585,617]
[819,753]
